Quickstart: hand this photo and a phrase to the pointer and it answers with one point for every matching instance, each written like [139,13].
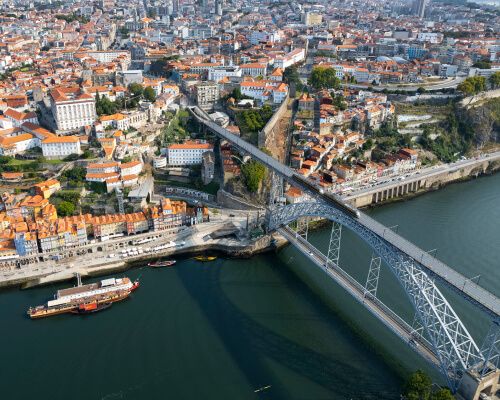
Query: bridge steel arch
[453,345]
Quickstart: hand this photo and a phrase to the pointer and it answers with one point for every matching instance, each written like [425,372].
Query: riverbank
[226,249]
[442,185]
[424,181]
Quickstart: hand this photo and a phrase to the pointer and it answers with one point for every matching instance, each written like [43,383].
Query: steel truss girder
[371,285]
[454,346]
[301,227]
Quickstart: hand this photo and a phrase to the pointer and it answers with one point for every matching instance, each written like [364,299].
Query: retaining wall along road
[421,183]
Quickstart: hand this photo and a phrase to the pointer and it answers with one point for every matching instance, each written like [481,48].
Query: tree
[253,173]
[495,80]
[150,94]
[339,101]
[291,74]
[418,386]
[161,67]
[482,64]
[136,89]
[104,106]
[442,394]
[324,78]
[75,174]
[472,85]
[65,208]
[97,187]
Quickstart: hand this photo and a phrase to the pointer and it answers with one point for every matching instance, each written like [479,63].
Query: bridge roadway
[423,174]
[376,307]
[471,291]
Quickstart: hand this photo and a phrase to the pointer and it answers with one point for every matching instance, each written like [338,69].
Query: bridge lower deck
[472,292]
[388,317]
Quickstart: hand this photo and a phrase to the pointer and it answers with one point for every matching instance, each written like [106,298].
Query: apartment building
[217,74]
[18,118]
[207,94]
[60,146]
[187,153]
[289,59]
[107,56]
[16,143]
[254,69]
[264,91]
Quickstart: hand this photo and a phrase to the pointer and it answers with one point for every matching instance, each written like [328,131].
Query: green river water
[224,329]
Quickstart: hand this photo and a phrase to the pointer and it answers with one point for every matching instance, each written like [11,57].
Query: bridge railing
[464,286]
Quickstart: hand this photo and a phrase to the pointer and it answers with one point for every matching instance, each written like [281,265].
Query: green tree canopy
[65,208]
[495,80]
[291,74]
[253,173]
[75,174]
[324,78]
[419,387]
[136,89]
[482,64]
[472,85]
[160,67]
[104,106]
[150,94]
[442,394]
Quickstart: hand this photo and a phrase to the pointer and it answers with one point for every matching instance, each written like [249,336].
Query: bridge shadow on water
[252,344]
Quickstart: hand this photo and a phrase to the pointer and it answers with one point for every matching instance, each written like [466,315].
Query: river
[225,329]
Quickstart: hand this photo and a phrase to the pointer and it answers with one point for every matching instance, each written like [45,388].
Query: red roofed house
[18,118]
[72,109]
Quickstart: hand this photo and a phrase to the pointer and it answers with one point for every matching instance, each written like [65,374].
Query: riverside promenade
[227,232]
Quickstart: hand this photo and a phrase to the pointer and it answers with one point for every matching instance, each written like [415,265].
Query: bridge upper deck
[464,286]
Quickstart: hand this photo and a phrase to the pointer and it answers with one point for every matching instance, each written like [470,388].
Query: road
[421,174]
[402,329]
[439,85]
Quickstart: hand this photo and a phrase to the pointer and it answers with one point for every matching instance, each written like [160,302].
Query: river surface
[223,330]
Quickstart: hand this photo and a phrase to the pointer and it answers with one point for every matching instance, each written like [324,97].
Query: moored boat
[159,264]
[85,297]
[205,258]
[92,307]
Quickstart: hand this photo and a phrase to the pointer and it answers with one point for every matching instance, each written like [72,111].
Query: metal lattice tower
[371,284]
[333,256]
[491,348]
[301,227]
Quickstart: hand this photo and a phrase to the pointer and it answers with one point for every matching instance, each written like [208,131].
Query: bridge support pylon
[332,260]
[276,192]
[371,285]
[485,377]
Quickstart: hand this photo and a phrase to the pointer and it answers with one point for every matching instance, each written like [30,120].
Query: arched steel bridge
[437,333]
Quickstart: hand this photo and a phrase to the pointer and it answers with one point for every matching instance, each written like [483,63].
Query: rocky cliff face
[481,121]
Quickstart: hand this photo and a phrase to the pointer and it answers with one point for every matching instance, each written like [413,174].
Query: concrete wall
[490,94]
[267,134]
[227,200]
